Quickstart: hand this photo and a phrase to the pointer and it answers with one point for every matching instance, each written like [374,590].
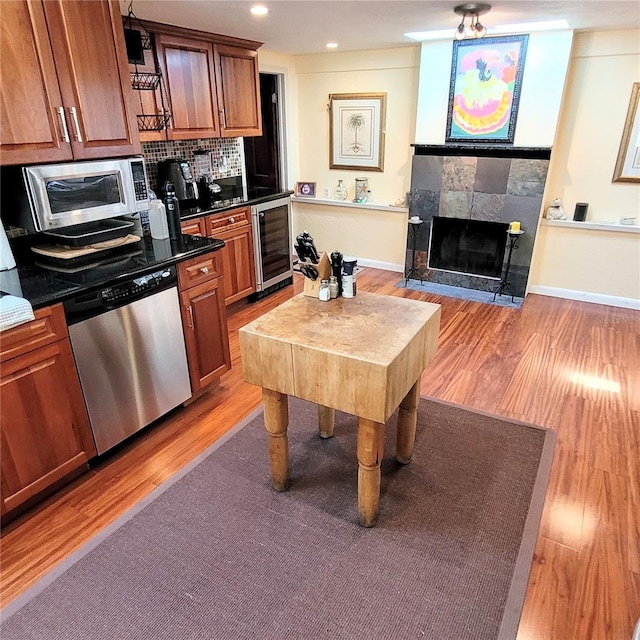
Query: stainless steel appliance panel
[271,224]
[132,365]
[66,194]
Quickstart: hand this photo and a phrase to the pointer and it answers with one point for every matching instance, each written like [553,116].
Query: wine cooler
[271,223]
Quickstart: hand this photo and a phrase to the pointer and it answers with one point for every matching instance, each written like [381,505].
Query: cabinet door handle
[204,270]
[63,124]
[76,124]
[224,118]
[190,310]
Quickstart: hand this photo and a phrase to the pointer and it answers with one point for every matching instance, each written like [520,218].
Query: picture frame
[306,189]
[484,90]
[627,167]
[357,131]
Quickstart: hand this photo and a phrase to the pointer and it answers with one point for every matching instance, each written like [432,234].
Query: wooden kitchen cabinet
[238,262]
[194,227]
[67,87]
[204,319]
[212,82]
[46,437]
[238,85]
[187,66]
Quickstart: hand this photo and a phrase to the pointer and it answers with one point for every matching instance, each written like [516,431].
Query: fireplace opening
[474,247]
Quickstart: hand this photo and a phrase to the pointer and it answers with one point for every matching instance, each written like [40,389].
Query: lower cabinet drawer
[198,270]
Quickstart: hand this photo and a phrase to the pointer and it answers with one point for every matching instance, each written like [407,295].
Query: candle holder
[505,285]
[414,234]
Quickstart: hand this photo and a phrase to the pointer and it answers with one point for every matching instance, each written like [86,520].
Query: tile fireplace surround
[491,183]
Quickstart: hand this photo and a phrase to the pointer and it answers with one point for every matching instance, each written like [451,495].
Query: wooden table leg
[370,450]
[326,421]
[407,416]
[276,421]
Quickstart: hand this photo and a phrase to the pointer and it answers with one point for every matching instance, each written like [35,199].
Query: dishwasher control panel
[135,287]
[102,299]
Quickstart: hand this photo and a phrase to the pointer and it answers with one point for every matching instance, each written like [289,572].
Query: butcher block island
[362,355]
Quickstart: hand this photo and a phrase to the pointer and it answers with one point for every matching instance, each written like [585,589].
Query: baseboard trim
[376,264]
[586,296]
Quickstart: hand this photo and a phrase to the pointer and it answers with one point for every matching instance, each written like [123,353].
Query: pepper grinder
[336,268]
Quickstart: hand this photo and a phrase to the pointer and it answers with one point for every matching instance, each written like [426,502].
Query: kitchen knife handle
[63,124]
[76,124]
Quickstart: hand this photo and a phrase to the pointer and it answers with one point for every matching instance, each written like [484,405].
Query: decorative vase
[340,192]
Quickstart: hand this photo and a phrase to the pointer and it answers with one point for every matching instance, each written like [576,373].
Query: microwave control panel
[140,184]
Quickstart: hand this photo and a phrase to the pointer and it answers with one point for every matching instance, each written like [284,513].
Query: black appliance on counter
[178,173]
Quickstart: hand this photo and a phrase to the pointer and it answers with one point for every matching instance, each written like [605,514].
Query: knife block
[324,272]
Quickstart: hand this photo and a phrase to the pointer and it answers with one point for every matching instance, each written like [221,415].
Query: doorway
[263,154]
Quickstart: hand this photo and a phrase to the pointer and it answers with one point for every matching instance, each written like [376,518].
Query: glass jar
[362,190]
[323,291]
[333,287]
[340,192]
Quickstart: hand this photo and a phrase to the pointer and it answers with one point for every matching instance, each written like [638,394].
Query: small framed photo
[306,189]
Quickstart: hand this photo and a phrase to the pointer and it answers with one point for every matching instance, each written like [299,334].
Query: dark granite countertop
[44,282]
[232,198]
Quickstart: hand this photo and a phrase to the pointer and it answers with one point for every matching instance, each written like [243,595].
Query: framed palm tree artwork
[356,130]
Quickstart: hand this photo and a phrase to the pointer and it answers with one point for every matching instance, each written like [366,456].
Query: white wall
[375,236]
[587,262]
[393,71]
[543,81]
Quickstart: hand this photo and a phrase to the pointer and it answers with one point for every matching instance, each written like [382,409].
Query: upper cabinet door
[187,66]
[238,91]
[32,125]
[66,88]
[91,61]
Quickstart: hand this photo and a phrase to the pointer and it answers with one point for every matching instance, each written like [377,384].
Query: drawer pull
[204,270]
[232,220]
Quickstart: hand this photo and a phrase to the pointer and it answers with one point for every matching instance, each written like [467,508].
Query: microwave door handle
[63,124]
[76,124]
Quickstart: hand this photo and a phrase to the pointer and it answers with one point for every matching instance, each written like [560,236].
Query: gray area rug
[460,292]
[215,553]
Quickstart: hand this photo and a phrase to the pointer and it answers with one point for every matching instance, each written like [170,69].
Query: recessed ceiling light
[259,10]
[501,28]
[332,45]
[429,35]
[549,25]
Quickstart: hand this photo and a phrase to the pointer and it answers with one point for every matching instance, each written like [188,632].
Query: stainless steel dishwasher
[130,353]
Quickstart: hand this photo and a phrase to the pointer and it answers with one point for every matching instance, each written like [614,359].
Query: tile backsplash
[227,156]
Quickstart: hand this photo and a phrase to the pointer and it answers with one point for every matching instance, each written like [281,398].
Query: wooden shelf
[350,204]
[593,226]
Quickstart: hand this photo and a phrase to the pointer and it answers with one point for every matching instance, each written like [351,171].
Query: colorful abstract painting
[486,78]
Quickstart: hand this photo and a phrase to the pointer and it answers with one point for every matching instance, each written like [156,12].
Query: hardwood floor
[567,365]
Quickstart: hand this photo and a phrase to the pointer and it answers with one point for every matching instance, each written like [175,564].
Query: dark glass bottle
[173,211]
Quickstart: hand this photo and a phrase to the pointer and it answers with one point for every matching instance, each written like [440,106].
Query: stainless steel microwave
[61,195]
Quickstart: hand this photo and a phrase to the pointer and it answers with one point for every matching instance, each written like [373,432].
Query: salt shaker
[323,291]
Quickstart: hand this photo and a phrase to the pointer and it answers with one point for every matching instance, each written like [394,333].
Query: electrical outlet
[326,192]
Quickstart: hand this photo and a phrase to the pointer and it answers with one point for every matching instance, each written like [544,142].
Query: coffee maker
[178,172]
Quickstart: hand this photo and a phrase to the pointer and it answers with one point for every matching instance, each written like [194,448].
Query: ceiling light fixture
[475,29]
[332,45]
[259,10]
